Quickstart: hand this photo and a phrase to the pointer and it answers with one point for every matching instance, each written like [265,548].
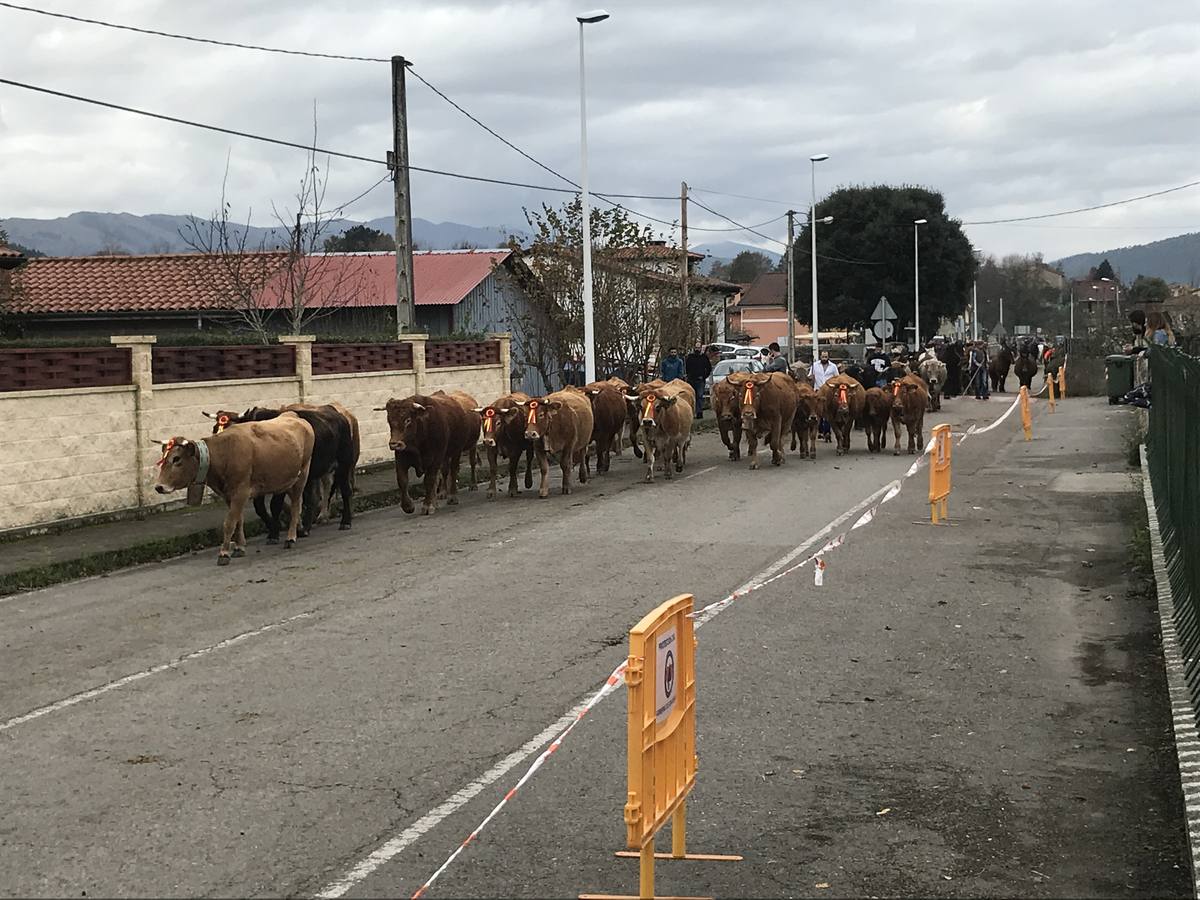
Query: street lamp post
[1117,287]
[812,227]
[917,223]
[589,336]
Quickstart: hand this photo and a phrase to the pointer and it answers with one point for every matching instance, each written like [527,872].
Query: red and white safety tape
[700,617]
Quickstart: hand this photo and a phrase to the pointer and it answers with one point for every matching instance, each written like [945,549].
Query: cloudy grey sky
[1009,107]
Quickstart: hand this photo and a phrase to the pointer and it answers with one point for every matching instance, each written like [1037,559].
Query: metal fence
[1173,446]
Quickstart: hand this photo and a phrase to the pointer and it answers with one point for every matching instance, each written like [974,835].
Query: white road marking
[697,474]
[145,673]
[395,845]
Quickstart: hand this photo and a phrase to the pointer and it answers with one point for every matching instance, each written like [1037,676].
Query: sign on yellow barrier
[1050,390]
[661,678]
[939,474]
[1026,418]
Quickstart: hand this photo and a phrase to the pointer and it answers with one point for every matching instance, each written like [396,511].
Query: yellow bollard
[1062,380]
[1050,390]
[1026,418]
[939,474]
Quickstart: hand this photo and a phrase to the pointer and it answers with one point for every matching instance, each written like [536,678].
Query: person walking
[822,371]
[977,362]
[672,366]
[775,359]
[698,368]
[877,364]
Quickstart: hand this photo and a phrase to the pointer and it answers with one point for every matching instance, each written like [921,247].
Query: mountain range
[1175,259]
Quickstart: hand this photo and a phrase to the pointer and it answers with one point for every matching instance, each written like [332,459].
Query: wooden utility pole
[398,163]
[683,263]
[791,288]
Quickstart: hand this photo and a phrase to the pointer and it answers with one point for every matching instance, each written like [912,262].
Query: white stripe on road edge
[697,474]
[866,508]
[561,728]
[145,673]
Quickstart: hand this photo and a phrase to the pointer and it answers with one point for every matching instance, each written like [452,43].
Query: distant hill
[1175,259]
[85,233]
[725,251]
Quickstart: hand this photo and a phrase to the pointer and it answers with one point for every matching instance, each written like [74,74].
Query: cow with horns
[561,424]
[503,431]
[909,399]
[240,464]
[429,434]
[666,425]
[768,407]
[842,398]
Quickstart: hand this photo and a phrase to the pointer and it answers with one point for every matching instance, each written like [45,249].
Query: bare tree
[295,280]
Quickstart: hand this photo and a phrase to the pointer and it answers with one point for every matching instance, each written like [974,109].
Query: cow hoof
[543,496]
[777,462]
[345,526]
[238,552]
[427,510]
[472,487]
[289,544]
[491,495]
[453,501]
[896,452]
[753,466]
[410,509]
[678,468]
[272,540]
[222,560]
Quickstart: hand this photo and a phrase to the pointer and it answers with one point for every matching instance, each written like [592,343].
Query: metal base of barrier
[711,857]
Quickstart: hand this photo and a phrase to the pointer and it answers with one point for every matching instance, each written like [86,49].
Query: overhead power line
[188,37]
[1071,212]
[747,197]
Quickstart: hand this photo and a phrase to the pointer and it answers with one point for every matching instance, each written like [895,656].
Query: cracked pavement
[965,680]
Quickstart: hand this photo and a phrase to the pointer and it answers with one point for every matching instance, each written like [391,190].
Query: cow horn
[479,409]
[159,442]
[522,403]
[506,409]
[380,409]
[418,405]
[207,414]
[632,398]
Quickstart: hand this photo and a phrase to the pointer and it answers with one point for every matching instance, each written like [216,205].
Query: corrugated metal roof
[185,282]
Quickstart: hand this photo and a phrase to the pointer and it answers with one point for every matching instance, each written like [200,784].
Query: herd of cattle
[301,453]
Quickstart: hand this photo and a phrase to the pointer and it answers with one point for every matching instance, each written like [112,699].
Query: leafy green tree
[1149,290]
[1105,270]
[747,266]
[867,252]
[359,239]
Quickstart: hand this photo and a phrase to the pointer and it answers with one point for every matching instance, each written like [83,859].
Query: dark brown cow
[842,399]
[560,423]
[666,419]
[998,368]
[909,399]
[1025,368]
[430,435]
[768,406]
[471,407]
[725,398]
[807,420]
[877,412]
[608,417]
[504,435]
[241,463]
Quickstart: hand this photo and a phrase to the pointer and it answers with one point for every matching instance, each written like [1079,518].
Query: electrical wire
[188,37]
[747,197]
[1071,212]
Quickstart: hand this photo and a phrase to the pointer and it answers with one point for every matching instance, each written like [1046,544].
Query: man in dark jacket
[776,362]
[672,365]
[698,368]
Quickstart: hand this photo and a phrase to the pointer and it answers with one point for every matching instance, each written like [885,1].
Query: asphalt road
[333,697]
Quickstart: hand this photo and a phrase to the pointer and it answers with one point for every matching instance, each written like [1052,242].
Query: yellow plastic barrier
[1050,390]
[1062,380]
[1026,418]
[661,678]
[939,474]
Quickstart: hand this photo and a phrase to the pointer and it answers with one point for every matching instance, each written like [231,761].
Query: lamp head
[820,157]
[590,18]
[920,221]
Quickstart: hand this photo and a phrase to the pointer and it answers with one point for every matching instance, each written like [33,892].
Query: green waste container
[1118,372]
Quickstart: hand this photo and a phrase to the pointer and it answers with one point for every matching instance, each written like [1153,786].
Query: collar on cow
[202,470]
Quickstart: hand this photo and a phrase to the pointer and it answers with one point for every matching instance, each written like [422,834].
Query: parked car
[748,352]
[726,350]
[726,367]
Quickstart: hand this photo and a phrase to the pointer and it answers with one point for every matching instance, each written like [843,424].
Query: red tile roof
[768,289]
[7,251]
[185,282]
[650,251]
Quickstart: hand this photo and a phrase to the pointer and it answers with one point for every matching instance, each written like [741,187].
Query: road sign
[883,329]
[664,681]
[883,310]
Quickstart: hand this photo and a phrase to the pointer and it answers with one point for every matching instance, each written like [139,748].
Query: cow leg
[528,468]
[312,497]
[896,430]
[233,521]
[649,452]
[433,474]
[296,496]
[269,519]
[406,503]
[239,535]
[345,485]
[450,475]
[633,439]
[585,463]
[777,444]
[752,447]
[737,440]
[566,462]
[493,454]
[544,466]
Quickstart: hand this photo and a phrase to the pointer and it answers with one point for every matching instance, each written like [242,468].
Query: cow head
[750,391]
[407,419]
[650,405]
[223,418]
[842,397]
[178,466]
[901,391]
[502,416]
[540,414]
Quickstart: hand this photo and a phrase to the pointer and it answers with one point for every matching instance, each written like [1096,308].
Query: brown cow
[468,403]
[842,399]
[504,435]
[877,411]
[633,412]
[724,400]
[807,420]
[909,399]
[768,406]
[240,463]
[560,423]
[666,417]
[608,417]
[430,435]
